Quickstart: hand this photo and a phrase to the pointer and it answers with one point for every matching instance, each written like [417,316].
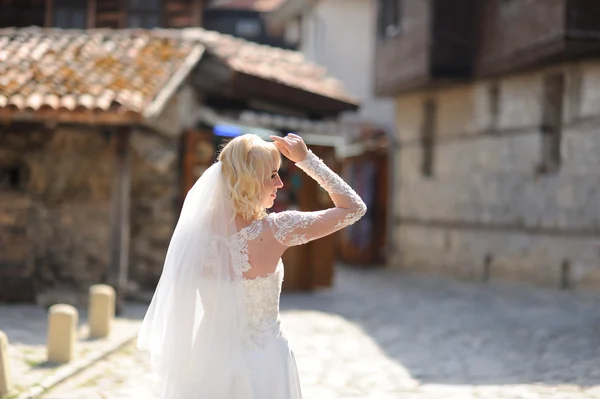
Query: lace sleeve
[296,228]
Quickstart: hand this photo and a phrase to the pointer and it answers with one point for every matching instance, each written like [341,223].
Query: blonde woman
[212,328]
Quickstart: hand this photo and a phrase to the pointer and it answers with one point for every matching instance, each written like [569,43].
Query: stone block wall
[59,185]
[55,191]
[154,207]
[487,212]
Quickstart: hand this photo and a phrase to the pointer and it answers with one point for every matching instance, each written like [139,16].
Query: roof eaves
[84,117]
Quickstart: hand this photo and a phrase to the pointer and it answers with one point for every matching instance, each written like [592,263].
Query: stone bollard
[62,333]
[5,377]
[101,310]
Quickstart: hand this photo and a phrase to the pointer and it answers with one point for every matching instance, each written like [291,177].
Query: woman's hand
[292,146]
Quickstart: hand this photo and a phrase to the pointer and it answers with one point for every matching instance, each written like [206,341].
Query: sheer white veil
[195,322]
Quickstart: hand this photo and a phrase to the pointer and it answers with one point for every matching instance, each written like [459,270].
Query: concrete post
[101,310]
[62,333]
[5,376]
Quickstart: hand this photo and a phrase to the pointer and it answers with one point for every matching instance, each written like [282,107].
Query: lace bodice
[261,293]
[262,306]
[288,228]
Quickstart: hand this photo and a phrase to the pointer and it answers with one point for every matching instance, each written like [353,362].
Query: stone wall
[62,197]
[55,189]
[487,212]
[155,205]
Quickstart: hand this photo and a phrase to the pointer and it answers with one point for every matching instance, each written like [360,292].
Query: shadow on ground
[448,332]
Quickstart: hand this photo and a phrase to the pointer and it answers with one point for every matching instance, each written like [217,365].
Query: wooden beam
[48,14]
[66,116]
[123,13]
[120,214]
[197,7]
[91,14]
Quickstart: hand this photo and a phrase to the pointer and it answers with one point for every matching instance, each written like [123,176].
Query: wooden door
[322,252]
[365,241]
[311,265]
[198,154]
[292,195]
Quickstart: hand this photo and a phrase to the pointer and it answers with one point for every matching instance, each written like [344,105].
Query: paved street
[381,335]
[26,328]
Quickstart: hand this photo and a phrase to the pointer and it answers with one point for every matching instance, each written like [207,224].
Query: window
[69,14]
[293,32]
[319,41]
[389,17]
[574,90]
[551,129]
[248,28]
[13,176]
[494,102]
[144,14]
[428,137]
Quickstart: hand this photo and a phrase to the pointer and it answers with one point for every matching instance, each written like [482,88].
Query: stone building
[497,171]
[94,127]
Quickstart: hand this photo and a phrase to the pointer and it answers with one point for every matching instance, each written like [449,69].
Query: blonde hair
[248,162]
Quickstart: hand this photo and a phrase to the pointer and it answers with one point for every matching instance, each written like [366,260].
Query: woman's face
[269,190]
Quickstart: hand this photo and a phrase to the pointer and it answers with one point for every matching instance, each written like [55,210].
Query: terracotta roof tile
[123,71]
[286,67]
[98,70]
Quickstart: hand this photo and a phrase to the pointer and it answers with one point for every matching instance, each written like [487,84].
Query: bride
[213,328]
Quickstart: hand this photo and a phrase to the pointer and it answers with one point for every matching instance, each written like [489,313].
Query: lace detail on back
[261,293]
[262,305]
[239,246]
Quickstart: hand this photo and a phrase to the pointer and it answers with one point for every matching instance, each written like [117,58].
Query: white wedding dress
[270,361]
[268,357]
[229,343]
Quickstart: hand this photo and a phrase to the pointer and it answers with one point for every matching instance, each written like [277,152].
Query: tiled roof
[254,5]
[286,67]
[99,70]
[133,72]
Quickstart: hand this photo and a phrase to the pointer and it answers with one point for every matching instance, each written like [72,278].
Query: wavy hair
[248,162]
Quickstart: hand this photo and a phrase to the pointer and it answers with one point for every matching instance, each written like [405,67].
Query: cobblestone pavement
[382,335]
[26,329]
